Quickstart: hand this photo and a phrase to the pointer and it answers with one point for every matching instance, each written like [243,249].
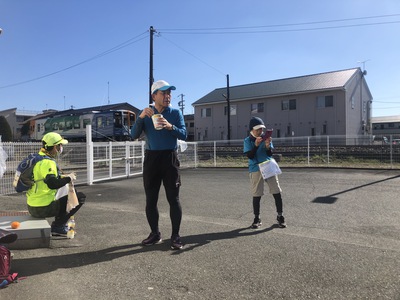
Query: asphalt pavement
[342,241]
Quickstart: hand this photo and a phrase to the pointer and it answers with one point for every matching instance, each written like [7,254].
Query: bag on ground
[5,266]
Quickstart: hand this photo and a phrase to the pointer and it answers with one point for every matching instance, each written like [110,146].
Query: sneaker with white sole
[153,238]
[256,223]
[61,230]
[281,221]
[176,243]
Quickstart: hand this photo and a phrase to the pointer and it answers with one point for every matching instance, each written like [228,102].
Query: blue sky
[58,54]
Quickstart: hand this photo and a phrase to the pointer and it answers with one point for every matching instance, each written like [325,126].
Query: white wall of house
[338,111]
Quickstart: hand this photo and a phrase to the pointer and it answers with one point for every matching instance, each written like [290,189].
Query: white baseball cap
[161,85]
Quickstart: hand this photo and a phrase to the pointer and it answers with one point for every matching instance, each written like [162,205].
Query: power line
[199,59]
[207,30]
[218,31]
[116,48]
[280,30]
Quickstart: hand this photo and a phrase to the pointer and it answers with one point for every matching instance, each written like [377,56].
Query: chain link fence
[101,161]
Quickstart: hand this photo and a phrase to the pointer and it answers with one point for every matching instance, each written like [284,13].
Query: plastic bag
[269,168]
[72,198]
[3,158]
[182,145]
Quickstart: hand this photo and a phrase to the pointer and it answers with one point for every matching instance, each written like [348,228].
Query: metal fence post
[110,161]
[195,155]
[215,153]
[327,146]
[89,154]
[127,160]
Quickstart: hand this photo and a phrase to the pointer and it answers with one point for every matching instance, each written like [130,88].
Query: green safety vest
[40,194]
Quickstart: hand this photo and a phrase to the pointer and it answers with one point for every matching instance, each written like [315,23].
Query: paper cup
[155,119]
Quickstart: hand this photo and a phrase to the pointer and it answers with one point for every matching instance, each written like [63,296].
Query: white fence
[94,162]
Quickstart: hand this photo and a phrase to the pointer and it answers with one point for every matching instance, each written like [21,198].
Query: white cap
[161,85]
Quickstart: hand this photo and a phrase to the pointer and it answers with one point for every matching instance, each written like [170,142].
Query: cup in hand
[155,118]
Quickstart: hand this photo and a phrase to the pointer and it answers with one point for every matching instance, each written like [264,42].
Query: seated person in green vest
[41,197]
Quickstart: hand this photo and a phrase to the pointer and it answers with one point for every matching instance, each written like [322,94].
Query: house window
[205,112]
[324,129]
[325,101]
[289,104]
[257,108]
[233,110]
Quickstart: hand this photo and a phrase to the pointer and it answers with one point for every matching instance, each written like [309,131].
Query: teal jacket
[255,154]
[161,139]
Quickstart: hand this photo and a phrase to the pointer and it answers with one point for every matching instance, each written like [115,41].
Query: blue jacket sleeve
[137,128]
[179,130]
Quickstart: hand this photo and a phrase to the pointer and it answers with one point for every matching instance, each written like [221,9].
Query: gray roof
[294,85]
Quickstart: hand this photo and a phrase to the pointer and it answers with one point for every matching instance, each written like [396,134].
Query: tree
[5,130]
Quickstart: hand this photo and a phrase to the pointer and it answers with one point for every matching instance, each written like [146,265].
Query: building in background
[35,122]
[189,123]
[331,103]
[386,126]
[16,118]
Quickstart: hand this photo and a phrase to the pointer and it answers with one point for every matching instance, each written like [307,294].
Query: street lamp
[1,30]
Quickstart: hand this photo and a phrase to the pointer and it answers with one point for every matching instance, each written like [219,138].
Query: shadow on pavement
[40,265]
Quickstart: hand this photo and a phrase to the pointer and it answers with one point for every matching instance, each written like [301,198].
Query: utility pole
[151,78]
[228,107]
[364,106]
[181,103]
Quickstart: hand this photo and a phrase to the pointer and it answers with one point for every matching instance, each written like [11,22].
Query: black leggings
[57,209]
[278,204]
[162,167]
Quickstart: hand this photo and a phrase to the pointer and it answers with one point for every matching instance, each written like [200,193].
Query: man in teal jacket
[161,163]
